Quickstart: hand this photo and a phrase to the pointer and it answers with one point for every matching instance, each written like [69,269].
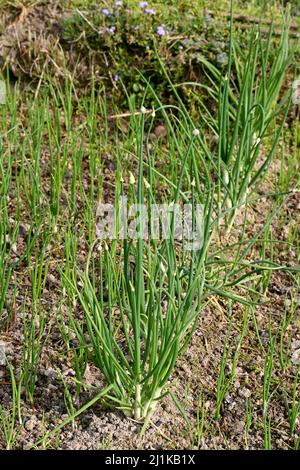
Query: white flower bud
[131,286]
[225,177]
[147,185]
[131,178]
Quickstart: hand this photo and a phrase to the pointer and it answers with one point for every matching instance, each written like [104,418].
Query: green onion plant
[140,313]
[251,112]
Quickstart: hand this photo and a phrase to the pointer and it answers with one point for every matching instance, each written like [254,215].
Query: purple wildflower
[119,4]
[116,77]
[143,4]
[105,11]
[111,30]
[149,11]
[161,31]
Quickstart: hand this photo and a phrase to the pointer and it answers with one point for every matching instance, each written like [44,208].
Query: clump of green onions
[252,109]
[144,303]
